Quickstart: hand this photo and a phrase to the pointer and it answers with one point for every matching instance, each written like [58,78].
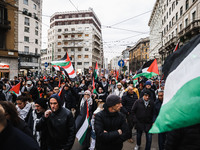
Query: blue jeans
[148,139]
[161,140]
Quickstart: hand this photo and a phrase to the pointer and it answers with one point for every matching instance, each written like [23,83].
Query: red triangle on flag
[44,77]
[96,67]
[153,67]
[16,88]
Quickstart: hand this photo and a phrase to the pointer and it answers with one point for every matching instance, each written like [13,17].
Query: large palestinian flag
[67,65]
[82,123]
[181,105]
[148,70]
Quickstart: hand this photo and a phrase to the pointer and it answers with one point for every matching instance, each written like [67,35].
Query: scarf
[24,112]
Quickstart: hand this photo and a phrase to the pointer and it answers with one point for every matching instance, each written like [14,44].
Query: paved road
[129,146]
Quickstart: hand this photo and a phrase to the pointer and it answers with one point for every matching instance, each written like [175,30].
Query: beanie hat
[42,102]
[87,92]
[148,83]
[57,98]
[147,92]
[112,100]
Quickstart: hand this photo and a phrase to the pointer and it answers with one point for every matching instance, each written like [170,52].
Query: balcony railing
[5,24]
[28,53]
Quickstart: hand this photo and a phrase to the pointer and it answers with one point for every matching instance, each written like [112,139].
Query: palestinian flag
[148,70]
[57,68]
[95,73]
[82,123]
[181,105]
[93,85]
[67,65]
[16,89]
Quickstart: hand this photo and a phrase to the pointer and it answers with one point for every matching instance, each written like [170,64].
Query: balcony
[73,39]
[28,54]
[5,24]
[73,32]
[192,28]
[73,46]
[28,65]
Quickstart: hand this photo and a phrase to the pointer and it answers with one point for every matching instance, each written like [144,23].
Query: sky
[123,22]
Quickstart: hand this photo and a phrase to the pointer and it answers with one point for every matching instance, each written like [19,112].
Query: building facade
[155,35]
[79,34]
[8,39]
[114,63]
[29,36]
[138,54]
[180,22]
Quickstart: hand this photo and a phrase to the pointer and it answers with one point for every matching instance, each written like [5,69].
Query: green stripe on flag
[182,110]
[145,74]
[61,63]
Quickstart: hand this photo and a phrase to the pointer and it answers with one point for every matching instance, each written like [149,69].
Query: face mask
[29,88]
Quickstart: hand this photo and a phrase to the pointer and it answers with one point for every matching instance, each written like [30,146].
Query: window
[36,50]
[181,11]
[60,17]
[66,36]
[72,49]
[59,30]
[26,2]
[26,21]
[79,63]
[177,2]
[72,36]
[180,27]
[79,35]
[65,43]
[80,15]
[170,24]
[79,56]
[26,39]
[59,56]
[73,29]
[36,32]
[86,35]
[86,49]
[26,49]
[86,63]
[186,4]
[173,21]
[66,29]
[86,28]
[26,29]
[167,15]
[59,36]
[79,49]
[59,43]
[25,10]
[34,6]
[173,6]
[194,16]
[36,41]
[72,56]
[176,16]
[170,11]
[186,22]
[87,15]
[86,56]
[59,50]
[36,25]
[176,31]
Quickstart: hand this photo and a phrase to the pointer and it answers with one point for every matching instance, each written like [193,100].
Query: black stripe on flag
[173,60]
[81,117]
[146,65]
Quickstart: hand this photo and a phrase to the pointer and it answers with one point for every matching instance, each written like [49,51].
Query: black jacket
[110,122]
[184,139]
[60,128]
[157,106]
[143,116]
[70,101]
[13,139]
[127,101]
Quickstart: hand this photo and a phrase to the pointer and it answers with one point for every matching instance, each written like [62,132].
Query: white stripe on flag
[83,128]
[187,70]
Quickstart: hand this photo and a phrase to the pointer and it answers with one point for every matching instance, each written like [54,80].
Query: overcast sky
[110,13]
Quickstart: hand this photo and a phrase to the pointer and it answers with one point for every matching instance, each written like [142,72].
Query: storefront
[4,70]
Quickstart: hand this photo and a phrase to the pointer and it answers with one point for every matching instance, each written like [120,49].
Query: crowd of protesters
[44,113]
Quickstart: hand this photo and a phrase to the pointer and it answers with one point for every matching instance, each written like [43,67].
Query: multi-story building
[180,22]
[79,34]
[114,63]
[139,54]
[155,35]
[29,35]
[8,39]
[125,57]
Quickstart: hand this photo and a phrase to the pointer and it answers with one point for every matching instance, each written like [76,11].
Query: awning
[4,66]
